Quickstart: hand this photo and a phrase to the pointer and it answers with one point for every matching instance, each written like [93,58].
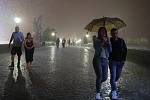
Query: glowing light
[53,34]
[17,20]
[87,35]
[60,40]
[78,41]
[3,42]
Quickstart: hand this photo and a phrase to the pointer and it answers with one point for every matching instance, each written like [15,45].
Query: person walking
[69,42]
[117,60]
[63,42]
[57,42]
[29,49]
[18,39]
[102,48]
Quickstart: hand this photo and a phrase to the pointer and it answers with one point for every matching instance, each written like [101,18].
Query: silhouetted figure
[16,90]
[69,42]
[117,59]
[102,48]
[63,42]
[57,42]
[29,49]
[73,42]
[17,38]
[9,87]
[94,38]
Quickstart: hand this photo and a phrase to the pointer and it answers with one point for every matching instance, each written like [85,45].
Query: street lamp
[17,20]
[53,34]
[87,35]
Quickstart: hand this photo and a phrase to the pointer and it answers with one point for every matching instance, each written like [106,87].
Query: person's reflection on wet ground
[9,87]
[15,90]
[40,86]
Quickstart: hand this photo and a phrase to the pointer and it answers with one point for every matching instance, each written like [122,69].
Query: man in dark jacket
[117,59]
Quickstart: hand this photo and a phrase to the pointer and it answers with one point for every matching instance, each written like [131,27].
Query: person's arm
[109,46]
[25,43]
[124,51]
[98,44]
[23,40]
[33,44]
[11,39]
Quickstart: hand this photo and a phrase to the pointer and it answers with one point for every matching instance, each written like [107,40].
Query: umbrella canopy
[107,22]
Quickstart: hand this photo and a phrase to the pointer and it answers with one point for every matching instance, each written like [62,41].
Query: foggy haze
[71,16]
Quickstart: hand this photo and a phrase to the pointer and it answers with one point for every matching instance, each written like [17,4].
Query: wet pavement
[67,74]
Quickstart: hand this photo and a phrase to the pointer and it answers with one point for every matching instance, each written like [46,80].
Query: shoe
[114,95]
[98,96]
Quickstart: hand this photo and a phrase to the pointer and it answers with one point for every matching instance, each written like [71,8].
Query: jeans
[115,72]
[101,70]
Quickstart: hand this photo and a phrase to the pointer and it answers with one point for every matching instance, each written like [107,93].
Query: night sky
[71,16]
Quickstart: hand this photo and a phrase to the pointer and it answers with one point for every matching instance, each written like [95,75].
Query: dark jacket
[119,50]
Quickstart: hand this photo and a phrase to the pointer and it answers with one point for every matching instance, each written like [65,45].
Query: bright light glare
[78,41]
[60,40]
[17,20]
[53,34]
[87,35]
[3,42]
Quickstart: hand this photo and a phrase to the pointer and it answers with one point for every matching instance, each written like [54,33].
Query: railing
[137,55]
[4,48]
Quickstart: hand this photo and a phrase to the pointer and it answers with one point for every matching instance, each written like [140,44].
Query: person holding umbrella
[118,52]
[117,59]
[102,48]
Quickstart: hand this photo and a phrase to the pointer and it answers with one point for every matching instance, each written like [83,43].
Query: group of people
[18,41]
[109,53]
[63,42]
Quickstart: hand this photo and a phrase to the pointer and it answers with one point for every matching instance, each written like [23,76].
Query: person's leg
[98,72]
[19,53]
[19,58]
[31,56]
[97,69]
[56,44]
[12,60]
[27,57]
[13,53]
[119,70]
[112,67]
[104,63]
